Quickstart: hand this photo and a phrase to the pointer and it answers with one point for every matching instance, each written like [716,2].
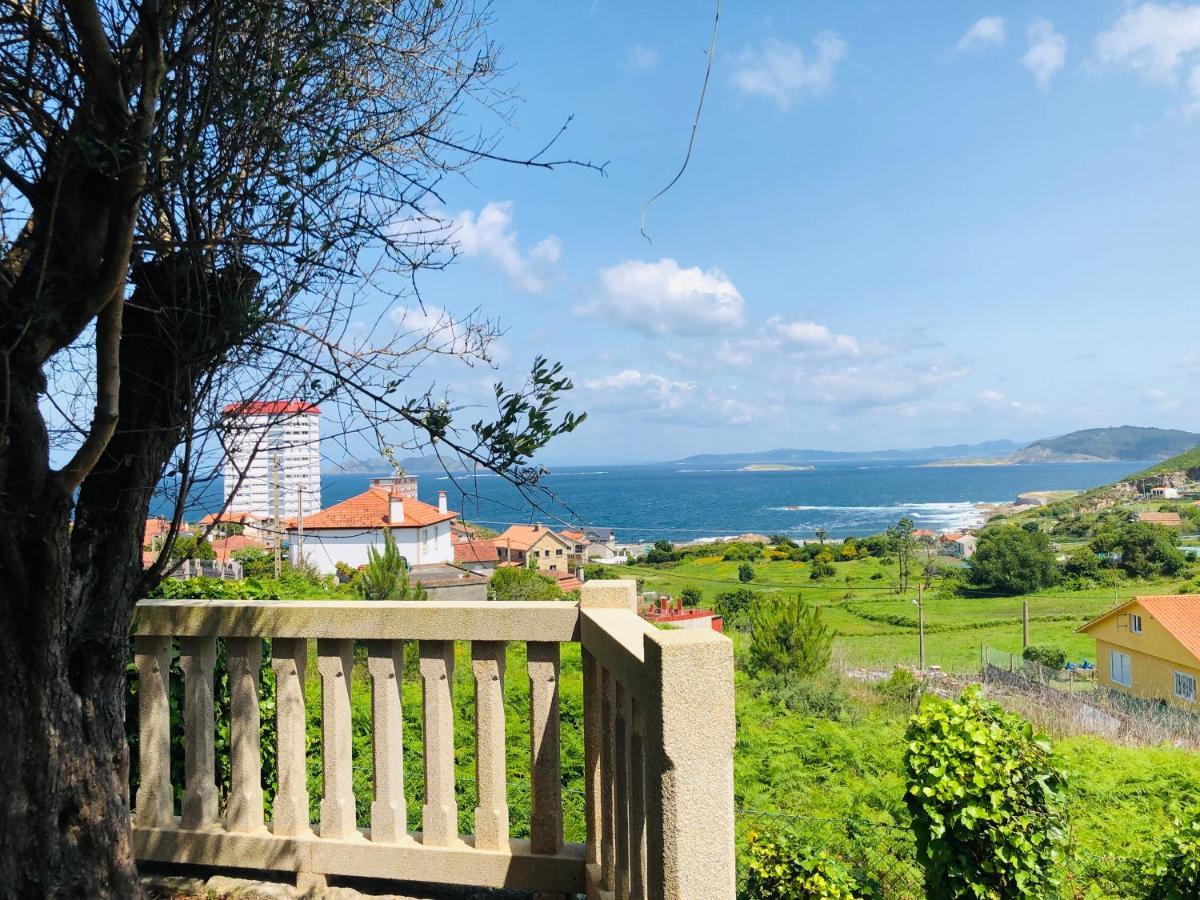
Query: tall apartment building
[273,446]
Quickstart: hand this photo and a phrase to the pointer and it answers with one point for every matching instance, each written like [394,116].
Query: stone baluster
[197,656]
[335,659]
[439,815]
[155,797]
[593,701]
[389,813]
[491,813]
[621,788]
[608,766]
[290,809]
[637,802]
[244,658]
[545,779]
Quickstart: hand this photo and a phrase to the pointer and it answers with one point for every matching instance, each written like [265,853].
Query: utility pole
[300,524]
[1024,624]
[275,506]
[921,625]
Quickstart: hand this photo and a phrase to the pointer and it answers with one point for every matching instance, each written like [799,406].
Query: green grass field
[876,626]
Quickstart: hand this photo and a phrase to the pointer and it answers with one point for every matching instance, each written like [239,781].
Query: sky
[903,223]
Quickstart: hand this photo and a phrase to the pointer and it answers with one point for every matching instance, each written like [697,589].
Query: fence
[657,730]
[1068,703]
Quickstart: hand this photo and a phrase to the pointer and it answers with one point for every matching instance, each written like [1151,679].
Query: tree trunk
[69,589]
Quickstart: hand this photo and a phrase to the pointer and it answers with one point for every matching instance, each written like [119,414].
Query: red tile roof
[229,517]
[522,537]
[370,510]
[475,552]
[571,535]
[1159,518]
[155,528]
[226,547]
[271,408]
[1179,615]
[567,581]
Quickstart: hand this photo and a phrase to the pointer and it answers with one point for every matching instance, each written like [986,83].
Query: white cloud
[436,329]
[866,387]
[1152,38]
[1047,52]
[490,234]
[688,403]
[640,57]
[806,336]
[987,32]
[661,298]
[780,71]
[991,396]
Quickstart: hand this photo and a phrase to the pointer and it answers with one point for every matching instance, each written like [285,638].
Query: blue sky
[904,223]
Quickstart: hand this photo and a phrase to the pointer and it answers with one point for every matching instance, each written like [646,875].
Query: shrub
[739,551]
[1145,550]
[513,583]
[985,796]
[192,546]
[822,569]
[691,596]
[734,604]
[745,572]
[823,696]
[1050,657]
[785,867]
[663,552]
[256,562]
[902,686]
[1174,873]
[787,636]
[877,576]
[597,572]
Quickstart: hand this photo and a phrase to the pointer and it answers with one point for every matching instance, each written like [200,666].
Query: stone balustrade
[658,734]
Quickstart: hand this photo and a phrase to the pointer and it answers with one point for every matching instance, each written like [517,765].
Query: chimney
[395,508]
[441,501]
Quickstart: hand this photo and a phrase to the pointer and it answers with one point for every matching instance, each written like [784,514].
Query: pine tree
[386,574]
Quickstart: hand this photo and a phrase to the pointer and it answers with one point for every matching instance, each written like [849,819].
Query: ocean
[681,503]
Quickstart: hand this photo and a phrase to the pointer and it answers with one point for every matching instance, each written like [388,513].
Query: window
[558,552]
[1119,668]
[1185,687]
[554,568]
[1135,623]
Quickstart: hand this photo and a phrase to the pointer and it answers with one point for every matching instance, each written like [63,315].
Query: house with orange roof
[346,531]
[1169,519]
[521,544]
[476,556]
[225,547]
[1150,647]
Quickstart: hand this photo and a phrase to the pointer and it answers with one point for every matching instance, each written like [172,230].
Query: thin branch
[712,50]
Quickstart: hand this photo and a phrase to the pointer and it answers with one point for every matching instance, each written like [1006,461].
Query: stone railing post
[439,815]
[244,659]
[689,737]
[389,812]
[155,798]
[491,810]
[197,657]
[289,657]
[545,779]
[335,659]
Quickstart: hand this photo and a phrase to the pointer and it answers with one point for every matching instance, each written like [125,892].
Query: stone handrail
[658,733]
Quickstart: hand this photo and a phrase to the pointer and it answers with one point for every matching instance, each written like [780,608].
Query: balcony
[658,732]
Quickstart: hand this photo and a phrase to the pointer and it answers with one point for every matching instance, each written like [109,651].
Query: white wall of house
[326,547]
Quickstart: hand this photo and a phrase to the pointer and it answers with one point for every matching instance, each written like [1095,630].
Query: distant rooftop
[271,408]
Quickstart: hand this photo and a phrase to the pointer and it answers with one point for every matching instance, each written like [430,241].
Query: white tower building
[272,450]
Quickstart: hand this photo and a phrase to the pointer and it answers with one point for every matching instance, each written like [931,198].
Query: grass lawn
[876,626]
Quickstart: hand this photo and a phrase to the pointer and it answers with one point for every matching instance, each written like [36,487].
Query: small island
[775,467]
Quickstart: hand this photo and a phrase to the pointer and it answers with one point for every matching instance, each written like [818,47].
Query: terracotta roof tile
[475,552]
[1159,518]
[522,537]
[226,547]
[370,510]
[271,408]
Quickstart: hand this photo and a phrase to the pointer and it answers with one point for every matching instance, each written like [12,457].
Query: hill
[1123,442]
[1187,463]
[985,450]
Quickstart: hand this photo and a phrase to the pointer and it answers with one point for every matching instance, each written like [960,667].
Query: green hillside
[1123,442]
[1188,461]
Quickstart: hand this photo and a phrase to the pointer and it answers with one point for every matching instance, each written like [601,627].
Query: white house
[345,531]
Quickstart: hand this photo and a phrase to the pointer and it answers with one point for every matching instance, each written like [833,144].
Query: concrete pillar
[491,811]
[389,813]
[155,796]
[197,656]
[592,737]
[290,809]
[689,765]
[637,802]
[545,780]
[244,658]
[439,815]
[621,788]
[335,659]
